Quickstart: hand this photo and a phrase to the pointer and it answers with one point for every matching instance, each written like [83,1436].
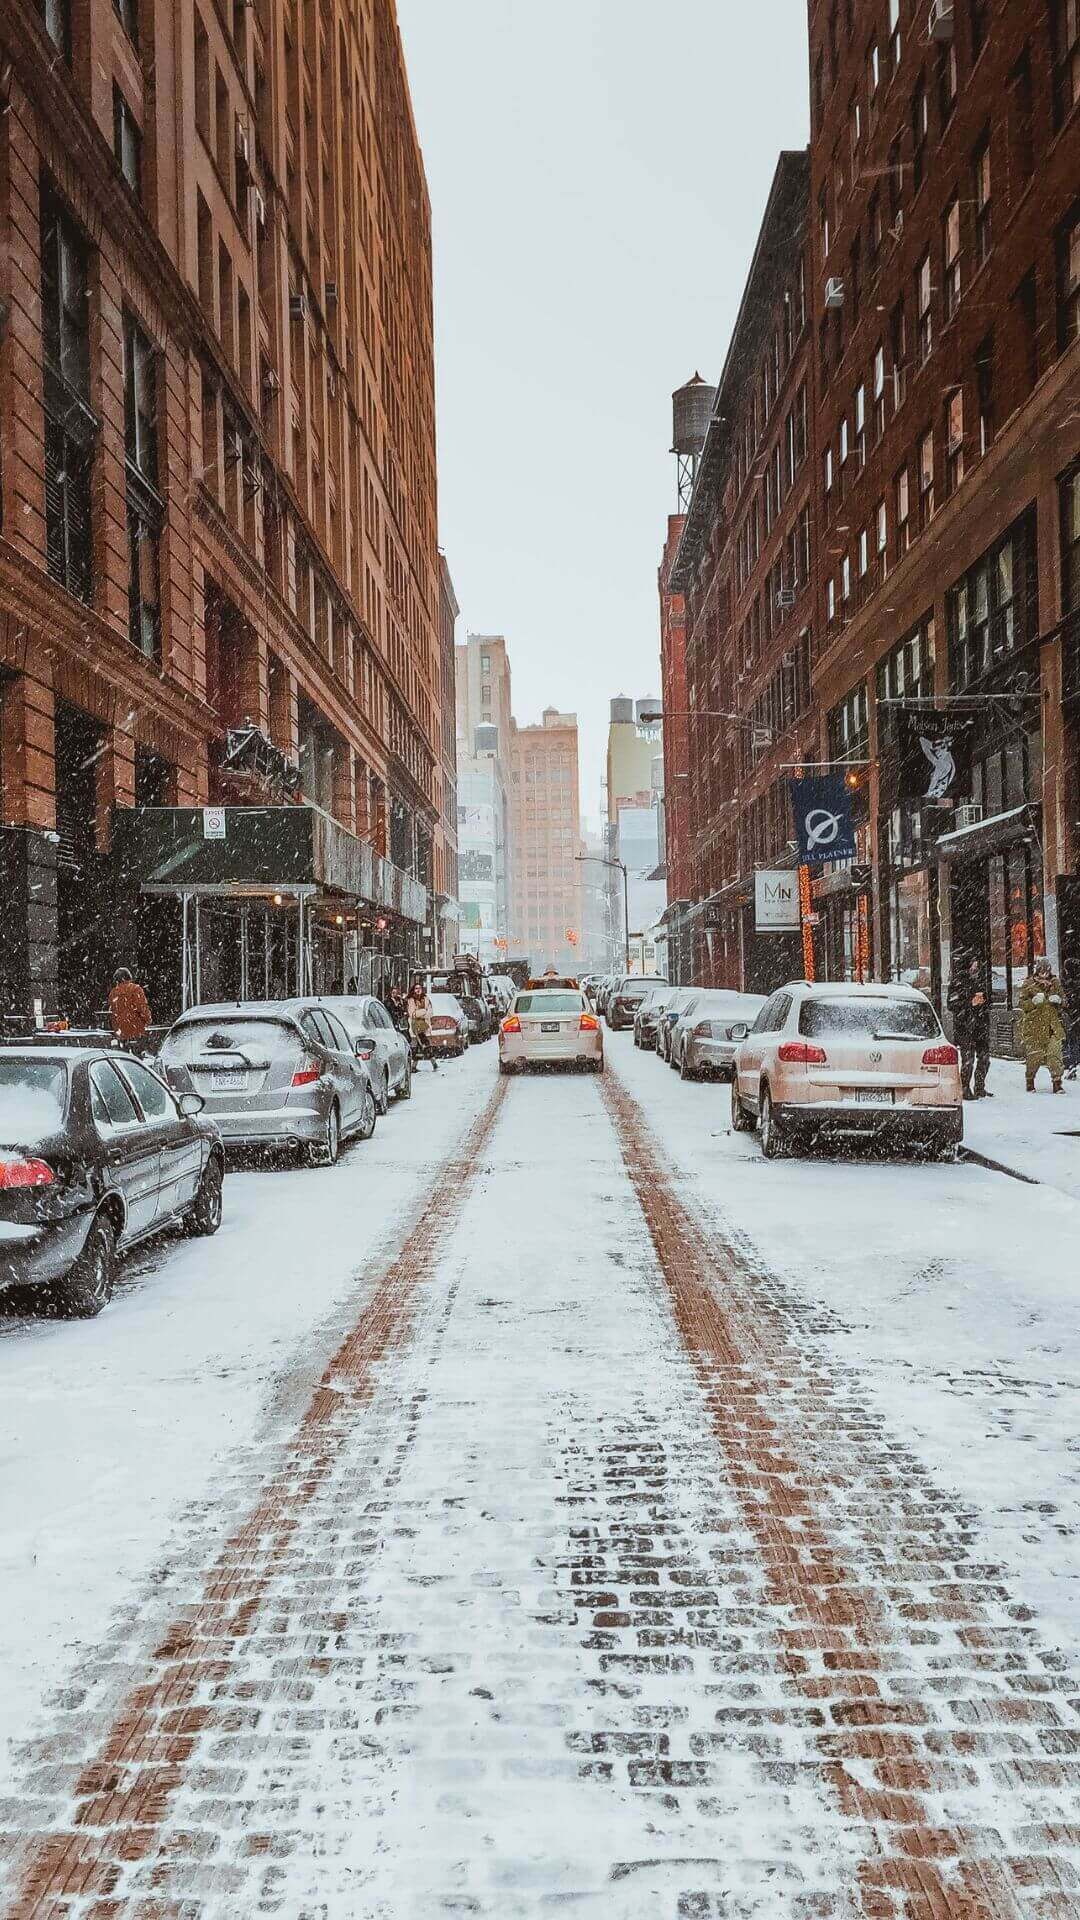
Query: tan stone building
[546,890]
[218,565]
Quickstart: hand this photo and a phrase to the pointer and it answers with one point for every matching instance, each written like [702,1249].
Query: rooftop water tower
[691,411]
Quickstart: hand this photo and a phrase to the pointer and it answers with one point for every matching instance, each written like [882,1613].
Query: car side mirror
[739,1031]
[191,1104]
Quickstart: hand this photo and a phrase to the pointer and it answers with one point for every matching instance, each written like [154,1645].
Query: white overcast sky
[598,170]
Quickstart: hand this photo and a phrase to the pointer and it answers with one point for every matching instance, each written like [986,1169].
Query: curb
[997,1166]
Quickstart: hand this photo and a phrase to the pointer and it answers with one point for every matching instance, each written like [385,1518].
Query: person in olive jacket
[970,1008]
[1042,1024]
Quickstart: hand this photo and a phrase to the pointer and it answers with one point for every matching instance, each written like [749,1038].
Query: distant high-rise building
[633,745]
[546,916]
[635,785]
[446,855]
[484,747]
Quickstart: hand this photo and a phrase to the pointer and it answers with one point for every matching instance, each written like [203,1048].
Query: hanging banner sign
[824,829]
[935,755]
[776,902]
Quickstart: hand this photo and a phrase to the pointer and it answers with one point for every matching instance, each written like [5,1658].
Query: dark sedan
[627,996]
[95,1154]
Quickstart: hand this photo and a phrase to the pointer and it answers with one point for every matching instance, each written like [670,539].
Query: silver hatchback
[274,1073]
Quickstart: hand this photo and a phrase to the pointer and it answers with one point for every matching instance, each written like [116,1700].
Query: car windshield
[548,1003]
[33,1098]
[226,1036]
[885,1018]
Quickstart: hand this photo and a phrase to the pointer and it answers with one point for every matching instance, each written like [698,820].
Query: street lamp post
[621,864]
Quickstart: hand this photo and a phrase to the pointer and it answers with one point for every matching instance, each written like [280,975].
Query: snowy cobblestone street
[653,1540]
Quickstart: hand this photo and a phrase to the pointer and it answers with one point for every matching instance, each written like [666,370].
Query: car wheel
[369,1113]
[382,1098]
[324,1152]
[773,1135]
[741,1121]
[205,1215]
[505,1066]
[685,1072]
[598,1065]
[405,1089]
[87,1286]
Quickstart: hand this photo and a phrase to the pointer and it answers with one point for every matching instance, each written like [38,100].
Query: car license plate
[871,1096]
[549,1026]
[228,1079]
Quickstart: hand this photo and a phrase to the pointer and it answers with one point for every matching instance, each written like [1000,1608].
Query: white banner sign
[776,902]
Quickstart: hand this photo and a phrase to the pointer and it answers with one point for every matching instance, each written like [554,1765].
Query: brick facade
[242,191]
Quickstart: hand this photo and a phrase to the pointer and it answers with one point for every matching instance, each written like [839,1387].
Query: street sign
[776,901]
[213,823]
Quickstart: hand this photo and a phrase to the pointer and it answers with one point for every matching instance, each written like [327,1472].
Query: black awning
[1009,829]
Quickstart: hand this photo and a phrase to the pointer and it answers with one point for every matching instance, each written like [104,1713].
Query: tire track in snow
[70,1858]
[954,1733]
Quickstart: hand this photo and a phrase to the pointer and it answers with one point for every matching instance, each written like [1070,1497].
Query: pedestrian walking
[967,1002]
[129,1008]
[419,1007]
[1042,1024]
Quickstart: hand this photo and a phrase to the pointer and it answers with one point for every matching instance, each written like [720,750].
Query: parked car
[478,1013]
[547,1025]
[96,1152]
[626,997]
[449,1025]
[647,1016]
[681,1000]
[376,1041]
[844,1060]
[701,1043]
[274,1073]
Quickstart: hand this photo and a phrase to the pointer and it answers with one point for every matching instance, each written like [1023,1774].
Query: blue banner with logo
[824,828]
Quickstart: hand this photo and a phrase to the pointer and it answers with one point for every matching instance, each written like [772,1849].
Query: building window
[954,440]
[879,392]
[849,725]
[860,426]
[898,351]
[127,12]
[56,15]
[1070,542]
[1065,52]
[802,549]
[924,318]
[896,181]
[946,81]
[906,673]
[926,478]
[827,469]
[992,611]
[895,43]
[982,198]
[951,241]
[920,127]
[902,497]
[864,554]
[1021,120]
[854,129]
[127,141]
[800,442]
[881,538]
[873,73]
[845,577]
[1025,307]
[977,10]
[70,426]
[984,390]
[1068,280]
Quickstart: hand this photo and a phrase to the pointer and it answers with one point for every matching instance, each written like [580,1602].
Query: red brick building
[218,566]
[745,563]
[943,295]
[676,734]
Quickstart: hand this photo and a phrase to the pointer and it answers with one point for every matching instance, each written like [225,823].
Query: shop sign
[213,823]
[824,827]
[776,901]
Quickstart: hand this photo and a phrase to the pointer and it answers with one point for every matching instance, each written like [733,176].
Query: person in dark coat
[969,1005]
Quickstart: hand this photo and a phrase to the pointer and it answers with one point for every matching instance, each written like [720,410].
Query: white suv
[841,1059]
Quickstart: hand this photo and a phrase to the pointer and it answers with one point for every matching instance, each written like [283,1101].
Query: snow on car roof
[851,990]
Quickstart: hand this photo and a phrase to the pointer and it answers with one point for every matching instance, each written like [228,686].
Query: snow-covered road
[555,1506]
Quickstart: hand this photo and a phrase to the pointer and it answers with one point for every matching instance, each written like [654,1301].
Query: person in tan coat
[1042,1024]
[129,1008]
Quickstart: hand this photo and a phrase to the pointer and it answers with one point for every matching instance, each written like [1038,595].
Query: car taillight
[588,1023]
[511,1024]
[796,1053]
[25,1173]
[704,1029]
[304,1075]
[944,1056]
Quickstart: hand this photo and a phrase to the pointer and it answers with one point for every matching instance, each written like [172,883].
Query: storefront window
[999,932]
[910,930]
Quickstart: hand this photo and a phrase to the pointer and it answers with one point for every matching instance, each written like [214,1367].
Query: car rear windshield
[639,985]
[33,1098]
[911,1019]
[227,1036]
[548,1003]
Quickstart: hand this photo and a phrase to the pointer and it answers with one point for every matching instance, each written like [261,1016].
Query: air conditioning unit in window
[834,293]
[270,382]
[785,599]
[941,19]
[298,307]
[330,293]
[968,815]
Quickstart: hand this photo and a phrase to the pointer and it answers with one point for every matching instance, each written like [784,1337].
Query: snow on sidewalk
[1035,1134]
